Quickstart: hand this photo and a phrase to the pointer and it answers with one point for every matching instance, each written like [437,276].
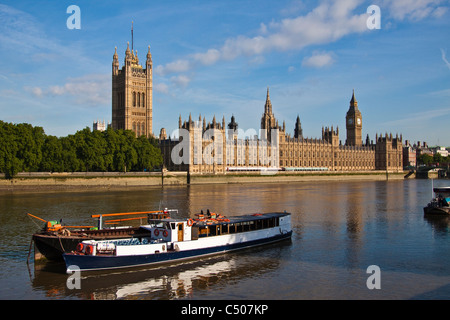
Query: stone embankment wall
[42,181]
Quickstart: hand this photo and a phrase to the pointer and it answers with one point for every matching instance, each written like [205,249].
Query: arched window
[138,132]
[134,99]
[143,128]
[138,99]
[143,100]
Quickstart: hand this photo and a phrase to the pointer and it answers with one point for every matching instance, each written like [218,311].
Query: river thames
[339,230]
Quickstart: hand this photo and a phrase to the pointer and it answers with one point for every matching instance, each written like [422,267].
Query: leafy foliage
[24,148]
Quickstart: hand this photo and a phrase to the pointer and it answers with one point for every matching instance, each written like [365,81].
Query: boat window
[156,223]
[224,228]
[214,230]
[172,225]
[203,232]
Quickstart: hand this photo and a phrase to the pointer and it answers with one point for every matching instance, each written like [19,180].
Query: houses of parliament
[215,147]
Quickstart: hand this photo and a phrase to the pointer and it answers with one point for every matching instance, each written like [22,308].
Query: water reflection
[440,225]
[169,281]
[340,228]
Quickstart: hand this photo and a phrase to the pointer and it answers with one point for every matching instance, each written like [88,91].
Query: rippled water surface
[340,229]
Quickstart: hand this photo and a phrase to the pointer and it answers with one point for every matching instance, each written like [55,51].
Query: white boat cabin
[169,230]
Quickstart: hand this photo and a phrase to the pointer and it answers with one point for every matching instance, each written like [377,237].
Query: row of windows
[321,163]
[326,154]
[226,228]
[138,99]
[139,128]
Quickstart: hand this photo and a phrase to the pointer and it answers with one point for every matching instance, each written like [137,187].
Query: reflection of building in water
[217,148]
[179,285]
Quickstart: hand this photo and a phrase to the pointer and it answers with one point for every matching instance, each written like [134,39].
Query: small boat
[439,205]
[172,240]
[54,238]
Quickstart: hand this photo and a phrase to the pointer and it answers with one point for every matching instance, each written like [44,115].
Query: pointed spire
[353,102]
[149,55]
[268,106]
[132,36]
[128,52]
[298,132]
[115,56]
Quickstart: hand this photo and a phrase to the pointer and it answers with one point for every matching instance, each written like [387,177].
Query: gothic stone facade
[132,93]
[213,148]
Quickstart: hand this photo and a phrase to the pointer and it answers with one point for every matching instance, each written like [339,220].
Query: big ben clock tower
[354,124]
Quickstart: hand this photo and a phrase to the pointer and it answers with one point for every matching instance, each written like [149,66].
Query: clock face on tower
[350,121]
[358,121]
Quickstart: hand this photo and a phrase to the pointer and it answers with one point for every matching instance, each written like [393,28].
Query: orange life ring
[190,222]
[89,249]
[80,247]
[165,233]
[156,232]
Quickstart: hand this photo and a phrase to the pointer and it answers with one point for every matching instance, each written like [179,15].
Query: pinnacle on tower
[149,55]
[353,102]
[115,56]
[268,106]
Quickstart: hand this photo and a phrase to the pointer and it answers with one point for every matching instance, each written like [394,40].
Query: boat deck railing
[143,216]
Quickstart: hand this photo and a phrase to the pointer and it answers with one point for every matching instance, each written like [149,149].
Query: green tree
[27,148]
[91,147]
[52,155]
[30,141]
[437,158]
[70,160]
[425,159]
[10,163]
[148,156]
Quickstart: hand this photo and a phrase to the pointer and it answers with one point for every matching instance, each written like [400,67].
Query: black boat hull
[85,262]
[52,246]
[437,211]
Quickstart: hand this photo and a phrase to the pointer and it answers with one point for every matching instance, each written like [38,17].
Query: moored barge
[171,240]
[54,238]
[440,204]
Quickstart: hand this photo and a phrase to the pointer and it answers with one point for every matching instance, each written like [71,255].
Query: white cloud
[414,9]
[162,88]
[328,22]
[92,89]
[208,58]
[318,60]
[417,119]
[36,91]
[173,67]
[444,58]
[24,35]
[180,80]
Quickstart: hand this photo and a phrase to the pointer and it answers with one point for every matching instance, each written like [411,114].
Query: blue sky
[219,57]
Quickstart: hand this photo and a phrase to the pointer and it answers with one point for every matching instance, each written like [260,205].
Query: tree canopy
[24,148]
